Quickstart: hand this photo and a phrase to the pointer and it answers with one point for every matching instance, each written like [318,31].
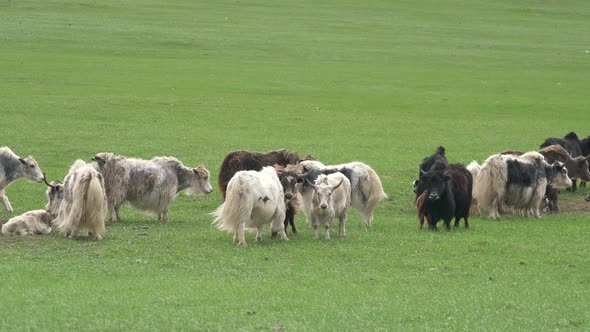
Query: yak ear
[22,161]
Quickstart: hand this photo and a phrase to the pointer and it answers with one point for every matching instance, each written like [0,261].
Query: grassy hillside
[379,81]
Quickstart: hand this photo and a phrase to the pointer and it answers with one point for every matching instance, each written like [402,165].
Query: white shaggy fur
[330,198]
[37,221]
[491,189]
[366,188]
[474,168]
[84,206]
[253,199]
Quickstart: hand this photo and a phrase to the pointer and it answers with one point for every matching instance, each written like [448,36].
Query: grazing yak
[517,182]
[444,192]
[243,160]
[13,167]
[366,188]
[37,221]
[577,168]
[331,197]
[84,203]
[148,185]
[572,144]
[254,199]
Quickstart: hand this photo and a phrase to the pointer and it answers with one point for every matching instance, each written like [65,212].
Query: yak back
[570,142]
[524,174]
[428,162]
[244,160]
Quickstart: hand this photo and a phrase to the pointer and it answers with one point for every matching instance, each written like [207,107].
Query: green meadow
[383,82]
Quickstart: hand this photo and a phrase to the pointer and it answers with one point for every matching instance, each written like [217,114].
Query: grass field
[384,82]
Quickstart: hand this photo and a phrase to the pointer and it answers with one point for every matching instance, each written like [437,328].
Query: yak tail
[371,189]
[86,207]
[489,186]
[95,203]
[237,206]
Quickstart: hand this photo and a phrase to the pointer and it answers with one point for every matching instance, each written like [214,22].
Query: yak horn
[311,184]
[45,180]
[338,185]
[422,170]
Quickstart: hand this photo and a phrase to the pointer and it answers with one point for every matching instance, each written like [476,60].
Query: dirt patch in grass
[574,205]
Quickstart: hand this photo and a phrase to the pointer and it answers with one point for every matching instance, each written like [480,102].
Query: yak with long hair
[84,204]
[254,199]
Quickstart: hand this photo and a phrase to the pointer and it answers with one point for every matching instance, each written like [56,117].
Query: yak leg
[5,201]
[117,215]
[574,185]
[368,211]
[448,223]
[292,222]
[114,212]
[163,217]
[316,225]
[327,230]
[342,226]
[44,229]
[286,223]
[259,233]
[240,233]
[73,233]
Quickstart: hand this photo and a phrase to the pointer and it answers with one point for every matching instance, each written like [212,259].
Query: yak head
[322,192]
[435,184]
[30,169]
[289,180]
[557,175]
[100,160]
[55,194]
[200,183]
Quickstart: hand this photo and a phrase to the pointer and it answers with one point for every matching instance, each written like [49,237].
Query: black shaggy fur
[447,194]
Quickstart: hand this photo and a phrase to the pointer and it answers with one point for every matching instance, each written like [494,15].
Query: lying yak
[37,221]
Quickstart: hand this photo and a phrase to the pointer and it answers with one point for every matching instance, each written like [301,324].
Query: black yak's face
[288,181]
[435,184]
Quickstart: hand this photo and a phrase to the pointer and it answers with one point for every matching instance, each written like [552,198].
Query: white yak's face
[201,185]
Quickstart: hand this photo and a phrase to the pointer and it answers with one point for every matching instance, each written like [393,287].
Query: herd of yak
[261,189]
[508,181]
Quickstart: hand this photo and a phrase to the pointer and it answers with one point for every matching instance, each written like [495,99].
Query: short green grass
[384,82]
